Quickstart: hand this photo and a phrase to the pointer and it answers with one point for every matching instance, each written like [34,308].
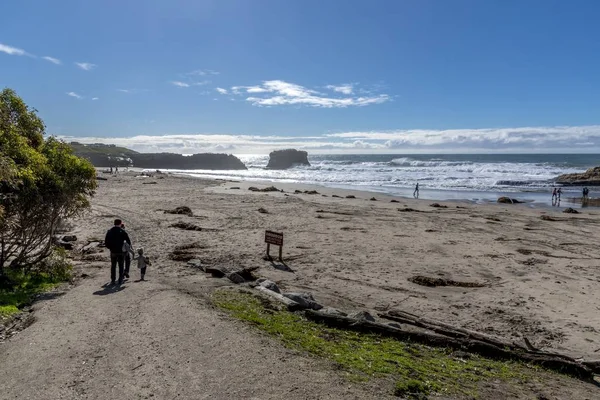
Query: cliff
[284,159]
[102,155]
[591,177]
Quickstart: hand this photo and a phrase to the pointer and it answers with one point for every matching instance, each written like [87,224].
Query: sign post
[276,239]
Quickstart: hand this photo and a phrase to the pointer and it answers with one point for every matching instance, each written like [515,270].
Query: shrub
[41,182]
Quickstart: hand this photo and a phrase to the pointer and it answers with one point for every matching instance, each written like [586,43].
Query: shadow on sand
[107,288]
[279,264]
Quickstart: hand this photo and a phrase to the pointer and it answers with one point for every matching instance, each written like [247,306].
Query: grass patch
[419,370]
[18,288]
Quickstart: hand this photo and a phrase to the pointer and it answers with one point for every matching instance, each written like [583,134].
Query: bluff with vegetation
[284,159]
[591,177]
[41,183]
[107,155]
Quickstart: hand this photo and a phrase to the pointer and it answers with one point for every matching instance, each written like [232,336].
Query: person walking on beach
[115,237]
[559,192]
[416,192]
[128,249]
[143,262]
[554,195]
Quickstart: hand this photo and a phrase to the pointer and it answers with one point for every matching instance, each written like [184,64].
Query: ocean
[471,177]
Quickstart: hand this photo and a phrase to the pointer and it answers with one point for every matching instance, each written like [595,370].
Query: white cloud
[180,84]
[52,60]
[248,89]
[202,83]
[125,90]
[12,51]
[347,88]
[277,92]
[73,94]
[86,66]
[95,98]
[561,139]
[531,138]
[221,90]
[203,72]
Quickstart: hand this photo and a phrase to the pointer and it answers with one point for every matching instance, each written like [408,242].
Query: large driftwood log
[446,329]
[290,304]
[457,332]
[570,367]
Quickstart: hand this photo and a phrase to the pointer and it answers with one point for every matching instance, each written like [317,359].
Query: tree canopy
[41,182]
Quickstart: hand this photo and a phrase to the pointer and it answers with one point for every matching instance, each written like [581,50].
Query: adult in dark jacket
[115,237]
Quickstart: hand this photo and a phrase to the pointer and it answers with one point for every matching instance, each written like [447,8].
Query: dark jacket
[114,239]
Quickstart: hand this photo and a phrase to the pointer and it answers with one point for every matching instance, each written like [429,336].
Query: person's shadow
[107,288]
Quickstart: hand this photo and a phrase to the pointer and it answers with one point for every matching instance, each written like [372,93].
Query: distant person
[117,169]
[416,192]
[143,262]
[114,240]
[554,194]
[129,254]
[559,192]
[111,170]
[586,192]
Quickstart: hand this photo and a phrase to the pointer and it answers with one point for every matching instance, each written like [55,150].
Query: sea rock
[311,192]
[263,210]
[284,159]
[362,316]
[69,238]
[566,210]
[269,285]
[373,199]
[591,177]
[508,200]
[350,196]
[335,195]
[394,201]
[306,300]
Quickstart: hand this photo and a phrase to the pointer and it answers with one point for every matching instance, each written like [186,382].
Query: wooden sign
[274,238]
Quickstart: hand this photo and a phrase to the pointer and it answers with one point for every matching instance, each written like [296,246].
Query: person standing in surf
[416,192]
[554,195]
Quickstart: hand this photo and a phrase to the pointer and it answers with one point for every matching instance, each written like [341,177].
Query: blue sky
[249,76]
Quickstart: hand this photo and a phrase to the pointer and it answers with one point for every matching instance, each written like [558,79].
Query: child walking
[143,262]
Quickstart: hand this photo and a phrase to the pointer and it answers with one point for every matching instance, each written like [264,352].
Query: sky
[251,76]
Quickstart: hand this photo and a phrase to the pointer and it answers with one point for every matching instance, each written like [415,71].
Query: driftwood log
[453,331]
[447,329]
[290,304]
[485,348]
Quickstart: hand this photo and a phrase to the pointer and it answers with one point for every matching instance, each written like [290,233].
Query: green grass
[419,370]
[22,290]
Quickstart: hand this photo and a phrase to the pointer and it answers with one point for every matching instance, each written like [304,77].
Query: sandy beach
[518,275]
[537,276]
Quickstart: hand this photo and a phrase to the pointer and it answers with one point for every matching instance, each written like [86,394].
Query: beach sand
[533,278]
[539,276]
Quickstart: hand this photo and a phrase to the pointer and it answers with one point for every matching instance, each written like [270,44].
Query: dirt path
[149,340]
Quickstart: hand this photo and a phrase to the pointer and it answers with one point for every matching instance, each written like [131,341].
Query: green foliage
[18,287]
[41,182]
[418,369]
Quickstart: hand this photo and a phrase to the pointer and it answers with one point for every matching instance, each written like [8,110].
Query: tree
[41,182]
